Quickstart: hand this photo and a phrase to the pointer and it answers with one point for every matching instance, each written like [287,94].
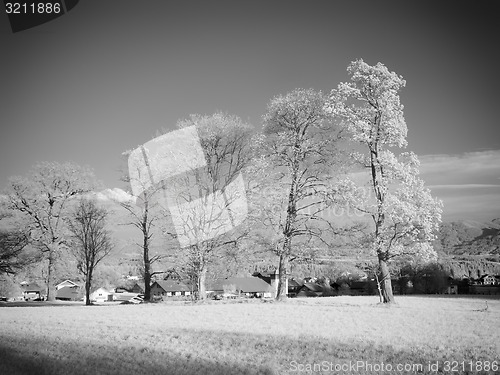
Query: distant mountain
[481,225]
[469,238]
[469,248]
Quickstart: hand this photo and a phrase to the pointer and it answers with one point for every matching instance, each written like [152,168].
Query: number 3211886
[33,8]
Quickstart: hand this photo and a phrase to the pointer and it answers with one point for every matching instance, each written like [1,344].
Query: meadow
[335,335]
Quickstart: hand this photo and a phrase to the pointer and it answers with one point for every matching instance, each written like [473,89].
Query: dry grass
[248,338]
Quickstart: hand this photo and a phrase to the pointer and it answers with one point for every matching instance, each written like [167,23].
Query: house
[488,280]
[310,290]
[294,286]
[68,293]
[137,289]
[249,286]
[125,294]
[170,288]
[67,283]
[32,291]
[271,278]
[101,295]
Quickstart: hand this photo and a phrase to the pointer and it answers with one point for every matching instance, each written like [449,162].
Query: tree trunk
[385,279]
[379,288]
[147,268]
[88,281]
[51,293]
[202,276]
[147,287]
[281,293]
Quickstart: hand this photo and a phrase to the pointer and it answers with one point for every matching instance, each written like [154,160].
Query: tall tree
[299,156]
[91,239]
[405,216]
[41,200]
[207,204]
[145,212]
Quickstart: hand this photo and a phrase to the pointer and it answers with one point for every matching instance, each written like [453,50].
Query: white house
[67,283]
[489,280]
[101,295]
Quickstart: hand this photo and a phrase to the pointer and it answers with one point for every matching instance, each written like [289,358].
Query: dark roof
[137,287]
[173,286]
[313,287]
[248,284]
[307,293]
[270,273]
[295,283]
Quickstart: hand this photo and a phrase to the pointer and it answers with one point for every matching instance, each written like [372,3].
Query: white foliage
[404,213]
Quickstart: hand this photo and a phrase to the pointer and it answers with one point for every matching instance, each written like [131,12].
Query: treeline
[218,190]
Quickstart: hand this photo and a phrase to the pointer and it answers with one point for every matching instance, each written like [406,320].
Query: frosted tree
[299,154]
[405,216]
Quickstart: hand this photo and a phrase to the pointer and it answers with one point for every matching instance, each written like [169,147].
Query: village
[257,285]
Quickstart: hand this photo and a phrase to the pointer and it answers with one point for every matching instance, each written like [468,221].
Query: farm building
[137,289]
[67,283]
[170,288]
[271,278]
[250,286]
[488,280]
[310,290]
[294,287]
[32,291]
[69,293]
[101,295]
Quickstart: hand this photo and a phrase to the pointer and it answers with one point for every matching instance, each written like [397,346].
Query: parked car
[136,300]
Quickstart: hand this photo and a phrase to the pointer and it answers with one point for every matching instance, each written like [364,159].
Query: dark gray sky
[106,76]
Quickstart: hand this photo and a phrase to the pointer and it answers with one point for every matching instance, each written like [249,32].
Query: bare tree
[207,205]
[41,202]
[144,214]
[300,156]
[91,239]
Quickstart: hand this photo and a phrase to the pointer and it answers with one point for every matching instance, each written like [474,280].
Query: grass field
[347,335]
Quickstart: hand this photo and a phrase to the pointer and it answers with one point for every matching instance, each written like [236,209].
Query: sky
[105,77]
